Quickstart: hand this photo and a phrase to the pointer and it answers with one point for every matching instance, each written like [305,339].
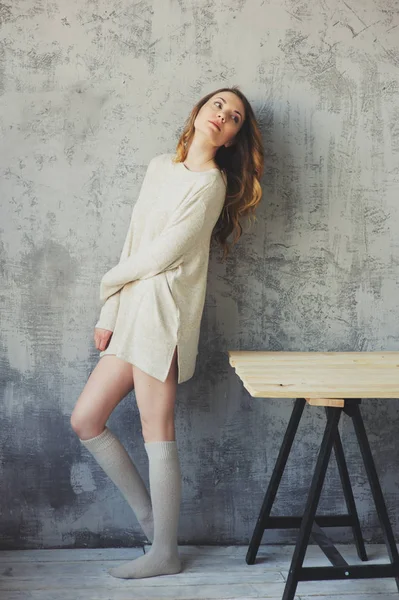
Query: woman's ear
[229,143]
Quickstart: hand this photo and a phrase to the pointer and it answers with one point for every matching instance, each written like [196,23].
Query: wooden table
[338,381]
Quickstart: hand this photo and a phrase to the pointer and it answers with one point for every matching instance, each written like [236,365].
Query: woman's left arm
[194,218]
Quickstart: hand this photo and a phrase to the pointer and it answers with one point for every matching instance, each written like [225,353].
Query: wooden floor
[209,572]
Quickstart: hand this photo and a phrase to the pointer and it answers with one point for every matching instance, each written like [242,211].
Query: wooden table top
[318,374]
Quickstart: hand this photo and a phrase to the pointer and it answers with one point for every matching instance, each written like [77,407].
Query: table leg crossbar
[310,523]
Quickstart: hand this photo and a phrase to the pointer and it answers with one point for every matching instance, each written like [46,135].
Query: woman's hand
[102,338]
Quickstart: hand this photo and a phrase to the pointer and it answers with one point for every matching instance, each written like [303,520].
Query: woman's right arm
[109,310]
[191,222]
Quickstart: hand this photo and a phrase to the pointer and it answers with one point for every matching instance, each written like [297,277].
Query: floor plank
[209,573]
[77,575]
[75,554]
[364,587]
[356,596]
[278,555]
[203,592]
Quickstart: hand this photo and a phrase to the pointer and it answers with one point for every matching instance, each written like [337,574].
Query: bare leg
[156,402]
[110,381]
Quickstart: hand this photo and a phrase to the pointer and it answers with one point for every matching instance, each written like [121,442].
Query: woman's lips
[213,123]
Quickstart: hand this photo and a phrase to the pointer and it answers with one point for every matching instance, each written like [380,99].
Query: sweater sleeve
[185,229]
[109,310]
[108,313]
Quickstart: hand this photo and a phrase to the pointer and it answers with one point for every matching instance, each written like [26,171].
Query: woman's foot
[150,565]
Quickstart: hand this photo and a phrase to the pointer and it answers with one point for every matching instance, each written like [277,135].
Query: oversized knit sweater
[154,297]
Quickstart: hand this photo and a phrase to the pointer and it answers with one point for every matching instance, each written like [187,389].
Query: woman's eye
[236,119]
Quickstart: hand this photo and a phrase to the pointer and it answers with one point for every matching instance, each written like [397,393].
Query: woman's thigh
[110,381]
[156,403]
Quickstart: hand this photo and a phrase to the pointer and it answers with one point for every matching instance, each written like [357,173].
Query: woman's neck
[200,157]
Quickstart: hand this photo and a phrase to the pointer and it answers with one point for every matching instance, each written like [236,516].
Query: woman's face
[227,112]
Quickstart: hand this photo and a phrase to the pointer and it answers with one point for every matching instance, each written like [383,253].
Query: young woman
[149,325]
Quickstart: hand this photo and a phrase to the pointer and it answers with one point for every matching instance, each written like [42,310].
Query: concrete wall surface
[91,90]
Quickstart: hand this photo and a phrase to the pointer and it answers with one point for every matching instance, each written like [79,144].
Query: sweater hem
[147,369]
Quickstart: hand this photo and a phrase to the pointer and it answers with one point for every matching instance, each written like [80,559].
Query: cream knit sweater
[154,297]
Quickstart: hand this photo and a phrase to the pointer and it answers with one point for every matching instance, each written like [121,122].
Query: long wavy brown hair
[243,164]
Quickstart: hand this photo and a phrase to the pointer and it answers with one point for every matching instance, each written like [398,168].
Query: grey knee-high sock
[117,464]
[165,484]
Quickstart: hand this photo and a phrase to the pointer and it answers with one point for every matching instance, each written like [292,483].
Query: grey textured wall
[91,91]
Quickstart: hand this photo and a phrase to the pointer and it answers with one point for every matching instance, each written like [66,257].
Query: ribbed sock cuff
[100,442]
[161,449]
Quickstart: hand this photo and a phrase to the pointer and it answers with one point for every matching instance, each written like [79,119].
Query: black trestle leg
[376,489]
[312,502]
[275,480]
[349,498]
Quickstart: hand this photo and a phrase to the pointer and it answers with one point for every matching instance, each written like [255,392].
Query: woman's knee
[108,384]
[158,427]
[85,424]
